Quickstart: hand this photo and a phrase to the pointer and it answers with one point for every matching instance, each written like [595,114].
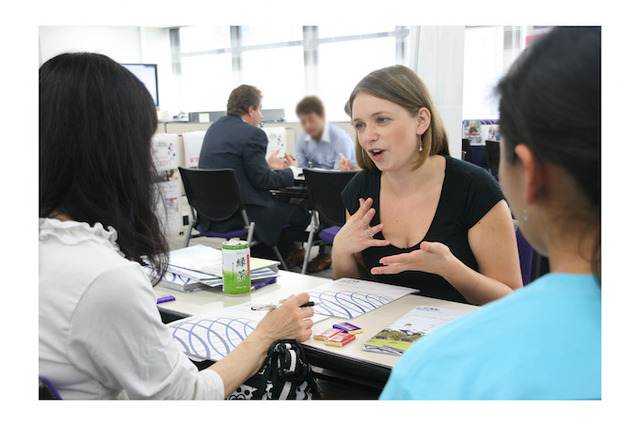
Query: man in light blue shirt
[321,144]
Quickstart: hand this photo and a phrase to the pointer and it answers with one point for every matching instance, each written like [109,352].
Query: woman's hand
[288,321]
[357,235]
[345,164]
[431,257]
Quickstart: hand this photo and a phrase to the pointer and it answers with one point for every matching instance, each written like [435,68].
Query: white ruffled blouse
[101,335]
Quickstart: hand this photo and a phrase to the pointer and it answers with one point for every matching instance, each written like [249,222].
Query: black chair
[214,195]
[493,156]
[46,390]
[466,149]
[324,187]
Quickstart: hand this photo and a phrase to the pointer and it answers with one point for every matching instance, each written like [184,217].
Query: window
[204,39]
[342,65]
[285,62]
[206,83]
[278,73]
[488,54]
[271,34]
[289,62]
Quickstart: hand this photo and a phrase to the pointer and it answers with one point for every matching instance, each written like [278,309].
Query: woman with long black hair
[101,336]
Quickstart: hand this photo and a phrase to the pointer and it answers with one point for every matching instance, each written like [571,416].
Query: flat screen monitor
[148,75]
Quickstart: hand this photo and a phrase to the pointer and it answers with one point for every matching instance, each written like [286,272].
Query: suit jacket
[230,142]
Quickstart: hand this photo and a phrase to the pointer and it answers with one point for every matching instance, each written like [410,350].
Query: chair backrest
[466,148]
[324,188]
[493,156]
[213,193]
[46,390]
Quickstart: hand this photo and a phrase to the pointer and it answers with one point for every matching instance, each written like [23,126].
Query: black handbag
[285,374]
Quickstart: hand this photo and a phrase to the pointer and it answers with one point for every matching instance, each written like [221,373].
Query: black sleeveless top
[468,193]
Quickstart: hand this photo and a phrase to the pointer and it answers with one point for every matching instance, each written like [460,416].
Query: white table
[349,360]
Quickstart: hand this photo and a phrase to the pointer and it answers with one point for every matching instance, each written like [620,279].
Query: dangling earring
[525,216]
[420,148]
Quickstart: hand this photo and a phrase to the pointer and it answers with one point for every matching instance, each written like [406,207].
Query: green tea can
[235,267]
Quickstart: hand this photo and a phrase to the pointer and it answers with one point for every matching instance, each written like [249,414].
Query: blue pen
[263,283]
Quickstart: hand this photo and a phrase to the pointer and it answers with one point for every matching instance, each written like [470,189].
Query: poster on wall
[164,152]
[478,131]
[471,131]
[277,141]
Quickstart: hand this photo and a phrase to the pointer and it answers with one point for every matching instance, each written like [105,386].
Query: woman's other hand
[430,257]
[357,235]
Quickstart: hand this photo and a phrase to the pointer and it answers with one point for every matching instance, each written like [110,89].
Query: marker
[271,306]
[165,298]
[344,159]
[263,283]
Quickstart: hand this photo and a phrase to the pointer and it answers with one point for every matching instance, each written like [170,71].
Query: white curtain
[437,55]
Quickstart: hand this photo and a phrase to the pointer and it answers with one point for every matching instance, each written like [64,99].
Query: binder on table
[198,267]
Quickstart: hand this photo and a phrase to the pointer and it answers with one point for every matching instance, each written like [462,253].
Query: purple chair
[46,390]
[324,187]
[214,195]
[328,234]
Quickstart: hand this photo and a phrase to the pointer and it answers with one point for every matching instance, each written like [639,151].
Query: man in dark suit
[235,141]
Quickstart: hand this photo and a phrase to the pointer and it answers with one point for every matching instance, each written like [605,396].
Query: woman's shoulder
[462,167]
[462,174]
[364,179]
[84,249]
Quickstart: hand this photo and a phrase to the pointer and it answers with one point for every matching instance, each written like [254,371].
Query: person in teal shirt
[542,341]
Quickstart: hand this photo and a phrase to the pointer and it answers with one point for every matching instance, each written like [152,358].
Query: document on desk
[350,298]
[176,281]
[198,258]
[214,334]
[410,327]
[203,264]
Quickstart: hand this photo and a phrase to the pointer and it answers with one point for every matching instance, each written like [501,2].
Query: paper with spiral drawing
[350,298]
[214,334]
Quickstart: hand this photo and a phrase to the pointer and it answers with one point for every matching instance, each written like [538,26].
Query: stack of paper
[197,267]
[177,282]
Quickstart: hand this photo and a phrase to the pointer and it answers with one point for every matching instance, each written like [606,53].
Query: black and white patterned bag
[285,374]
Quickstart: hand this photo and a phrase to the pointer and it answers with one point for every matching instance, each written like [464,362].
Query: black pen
[270,306]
